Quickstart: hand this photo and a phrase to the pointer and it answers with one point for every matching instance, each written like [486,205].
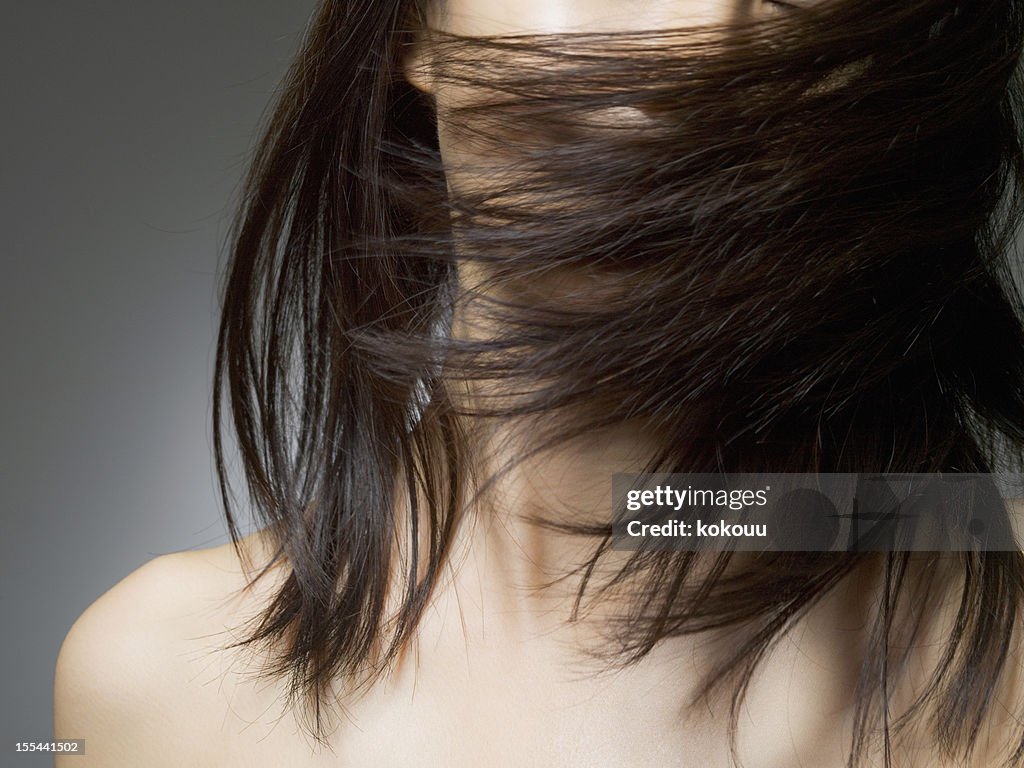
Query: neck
[524,570]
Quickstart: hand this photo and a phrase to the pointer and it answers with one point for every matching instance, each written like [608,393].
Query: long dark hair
[796,249]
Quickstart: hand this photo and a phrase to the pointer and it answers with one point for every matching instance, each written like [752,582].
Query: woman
[491,255]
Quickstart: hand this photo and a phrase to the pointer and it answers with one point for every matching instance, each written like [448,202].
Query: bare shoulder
[142,673]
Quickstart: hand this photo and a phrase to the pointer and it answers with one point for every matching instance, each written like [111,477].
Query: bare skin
[496,675]
[493,679]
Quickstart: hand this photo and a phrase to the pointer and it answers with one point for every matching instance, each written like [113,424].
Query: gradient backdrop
[125,128]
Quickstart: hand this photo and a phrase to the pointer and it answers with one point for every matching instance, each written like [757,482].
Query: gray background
[125,128]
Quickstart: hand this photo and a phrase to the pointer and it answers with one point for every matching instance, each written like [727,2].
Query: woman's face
[476,165]
[482,18]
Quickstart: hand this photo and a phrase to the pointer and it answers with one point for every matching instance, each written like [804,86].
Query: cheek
[464,156]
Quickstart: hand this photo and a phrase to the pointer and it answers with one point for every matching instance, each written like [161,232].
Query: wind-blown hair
[795,237]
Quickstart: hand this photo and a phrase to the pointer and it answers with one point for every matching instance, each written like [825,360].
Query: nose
[618,117]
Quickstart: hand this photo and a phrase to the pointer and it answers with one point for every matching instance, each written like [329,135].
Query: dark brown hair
[798,253]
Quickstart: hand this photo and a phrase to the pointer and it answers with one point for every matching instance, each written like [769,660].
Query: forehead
[495,17]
